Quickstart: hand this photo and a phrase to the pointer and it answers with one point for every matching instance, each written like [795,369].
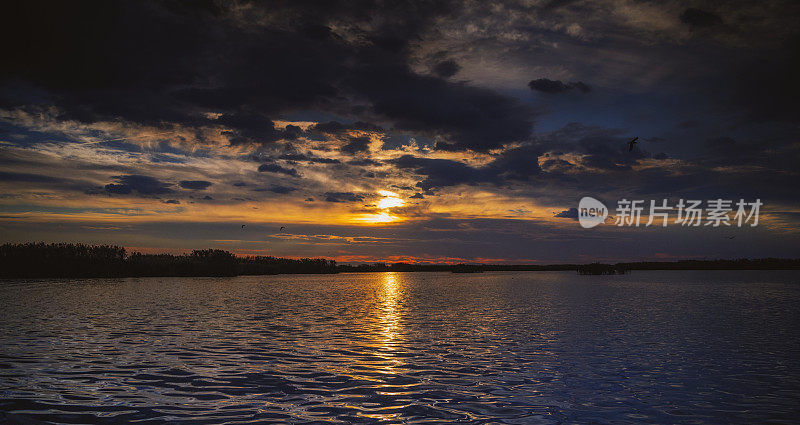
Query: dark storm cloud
[27,177]
[195,184]
[337,127]
[764,85]
[356,145]
[364,162]
[343,197]
[96,63]
[282,189]
[144,185]
[309,158]
[547,86]
[610,157]
[470,118]
[721,151]
[251,127]
[520,163]
[557,165]
[724,168]
[699,18]
[602,148]
[442,172]
[554,86]
[571,213]
[446,69]
[275,168]
[21,179]
[517,164]
[118,189]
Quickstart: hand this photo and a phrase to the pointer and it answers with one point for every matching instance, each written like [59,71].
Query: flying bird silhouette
[631,143]
[243,226]
[281,229]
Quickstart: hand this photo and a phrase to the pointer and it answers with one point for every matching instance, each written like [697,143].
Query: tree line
[42,260]
[71,260]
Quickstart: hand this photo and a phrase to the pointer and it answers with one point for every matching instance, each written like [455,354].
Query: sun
[389,200]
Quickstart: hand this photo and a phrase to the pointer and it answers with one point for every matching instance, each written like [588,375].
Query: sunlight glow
[383,217]
[390,200]
[391,318]
[390,203]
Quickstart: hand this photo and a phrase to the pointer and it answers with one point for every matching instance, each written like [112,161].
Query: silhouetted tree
[40,260]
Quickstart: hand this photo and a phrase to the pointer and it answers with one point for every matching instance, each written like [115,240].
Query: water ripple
[516,348]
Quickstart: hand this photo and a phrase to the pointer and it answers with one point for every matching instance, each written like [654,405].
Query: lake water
[713,347]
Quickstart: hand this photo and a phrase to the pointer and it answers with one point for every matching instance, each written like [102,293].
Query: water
[527,348]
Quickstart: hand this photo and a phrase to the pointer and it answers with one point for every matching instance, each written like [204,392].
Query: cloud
[27,177]
[446,69]
[275,168]
[338,127]
[343,197]
[442,172]
[309,158]
[699,18]
[223,88]
[519,164]
[467,117]
[763,87]
[252,127]
[208,67]
[557,165]
[724,150]
[195,184]
[571,213]
[282,189]
[554,86]
[118,189]
[356,145]
[144,185]
[364,162]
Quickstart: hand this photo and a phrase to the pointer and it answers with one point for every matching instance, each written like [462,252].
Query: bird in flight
[243,226]
[631,143]
[281,229]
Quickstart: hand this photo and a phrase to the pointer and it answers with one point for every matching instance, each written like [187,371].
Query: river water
[694,347]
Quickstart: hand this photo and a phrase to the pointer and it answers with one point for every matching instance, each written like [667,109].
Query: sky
[419,131]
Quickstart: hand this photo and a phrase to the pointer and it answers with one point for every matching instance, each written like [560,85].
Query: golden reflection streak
[386,339]
[390,319]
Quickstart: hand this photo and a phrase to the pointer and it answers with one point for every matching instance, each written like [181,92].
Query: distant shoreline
[739,264]
[65,260]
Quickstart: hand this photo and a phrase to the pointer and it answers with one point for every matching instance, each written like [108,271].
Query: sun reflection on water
[390,319]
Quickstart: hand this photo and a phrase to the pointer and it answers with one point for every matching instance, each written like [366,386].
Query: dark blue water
[517,348]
